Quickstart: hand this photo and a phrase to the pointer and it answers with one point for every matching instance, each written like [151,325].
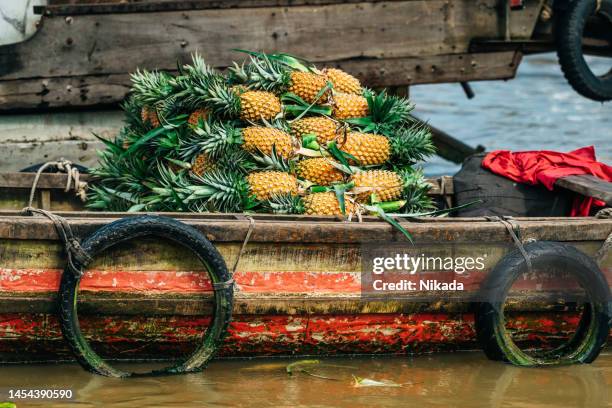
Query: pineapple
[197,116]
[273,76]
[307,86]
[258,105]
[320,171]
[201,164]
[342,81]
[387,185]
[266,184]
[326,204]
[349,106]
[149,117]
[261,139]
[368,148]
[324,128]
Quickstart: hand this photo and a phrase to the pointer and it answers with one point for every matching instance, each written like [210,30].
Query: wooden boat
[298,283]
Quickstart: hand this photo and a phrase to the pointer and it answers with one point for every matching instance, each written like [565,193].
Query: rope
[66,167]
[229,283]
[604,213]
[515,232]
[77,257]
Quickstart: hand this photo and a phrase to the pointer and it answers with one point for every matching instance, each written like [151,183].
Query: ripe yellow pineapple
[307,86]
[266,184]
[201,164]
[368,148]
[387,185]
[149,116]
[198,115]
[261,138]
[326,204]
[318,170]
[324,128]
[343,81]
[349,106]
[257,105]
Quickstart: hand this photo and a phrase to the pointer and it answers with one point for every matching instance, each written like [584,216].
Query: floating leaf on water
[367,382]
[300,366]
[265,367]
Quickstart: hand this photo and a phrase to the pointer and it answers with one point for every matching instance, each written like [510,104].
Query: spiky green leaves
[285,204]
[220,191]
[387,113]
[216,139]
[415,191]
[410,145]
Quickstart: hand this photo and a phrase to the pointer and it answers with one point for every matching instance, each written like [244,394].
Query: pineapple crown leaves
[387,113]
[109,199]
[411,144]
[273,161]
[152,87]
[132,113]
[211,137]
[169,126]
[264,74]
[284,204]
[288,60]
[222,190]
[415,191]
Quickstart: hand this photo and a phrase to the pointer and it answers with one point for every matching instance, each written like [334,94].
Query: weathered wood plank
[106,89]
[129,304]
[307,231]
[46,181]
[108,44]
[589,186]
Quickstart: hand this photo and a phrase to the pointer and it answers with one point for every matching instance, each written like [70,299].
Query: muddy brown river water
[465,379]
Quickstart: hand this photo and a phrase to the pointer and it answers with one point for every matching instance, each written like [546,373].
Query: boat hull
[298,288]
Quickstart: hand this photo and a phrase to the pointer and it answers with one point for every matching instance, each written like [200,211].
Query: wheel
[570,29]
[134,227]
[594,326]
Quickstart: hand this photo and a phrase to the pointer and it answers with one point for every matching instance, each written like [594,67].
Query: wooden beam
[588,185]
[84,60]
[328,230]
[97,90]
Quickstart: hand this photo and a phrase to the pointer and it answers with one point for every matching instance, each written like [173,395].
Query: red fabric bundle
[545,167]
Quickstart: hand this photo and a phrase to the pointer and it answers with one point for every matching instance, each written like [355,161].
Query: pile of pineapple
[273,134]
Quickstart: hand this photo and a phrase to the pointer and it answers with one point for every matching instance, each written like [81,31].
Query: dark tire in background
[569,34]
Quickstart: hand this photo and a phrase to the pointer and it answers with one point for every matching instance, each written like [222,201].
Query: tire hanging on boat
[134,227]
[593,329]
[569,34]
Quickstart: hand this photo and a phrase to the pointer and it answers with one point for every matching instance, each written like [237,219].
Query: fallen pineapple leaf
[304,365]
[265,367]
[300,366]
[367,382]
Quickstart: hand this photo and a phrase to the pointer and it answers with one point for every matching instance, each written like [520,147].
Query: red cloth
[545,167]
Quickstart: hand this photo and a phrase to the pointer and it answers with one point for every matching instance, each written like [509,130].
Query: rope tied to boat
[605,213]
[231,282]
[515,232]
[74,251]
[64,166]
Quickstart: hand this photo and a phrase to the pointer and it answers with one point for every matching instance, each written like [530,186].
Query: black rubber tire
[127,229]
[569,32]
[593,329]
